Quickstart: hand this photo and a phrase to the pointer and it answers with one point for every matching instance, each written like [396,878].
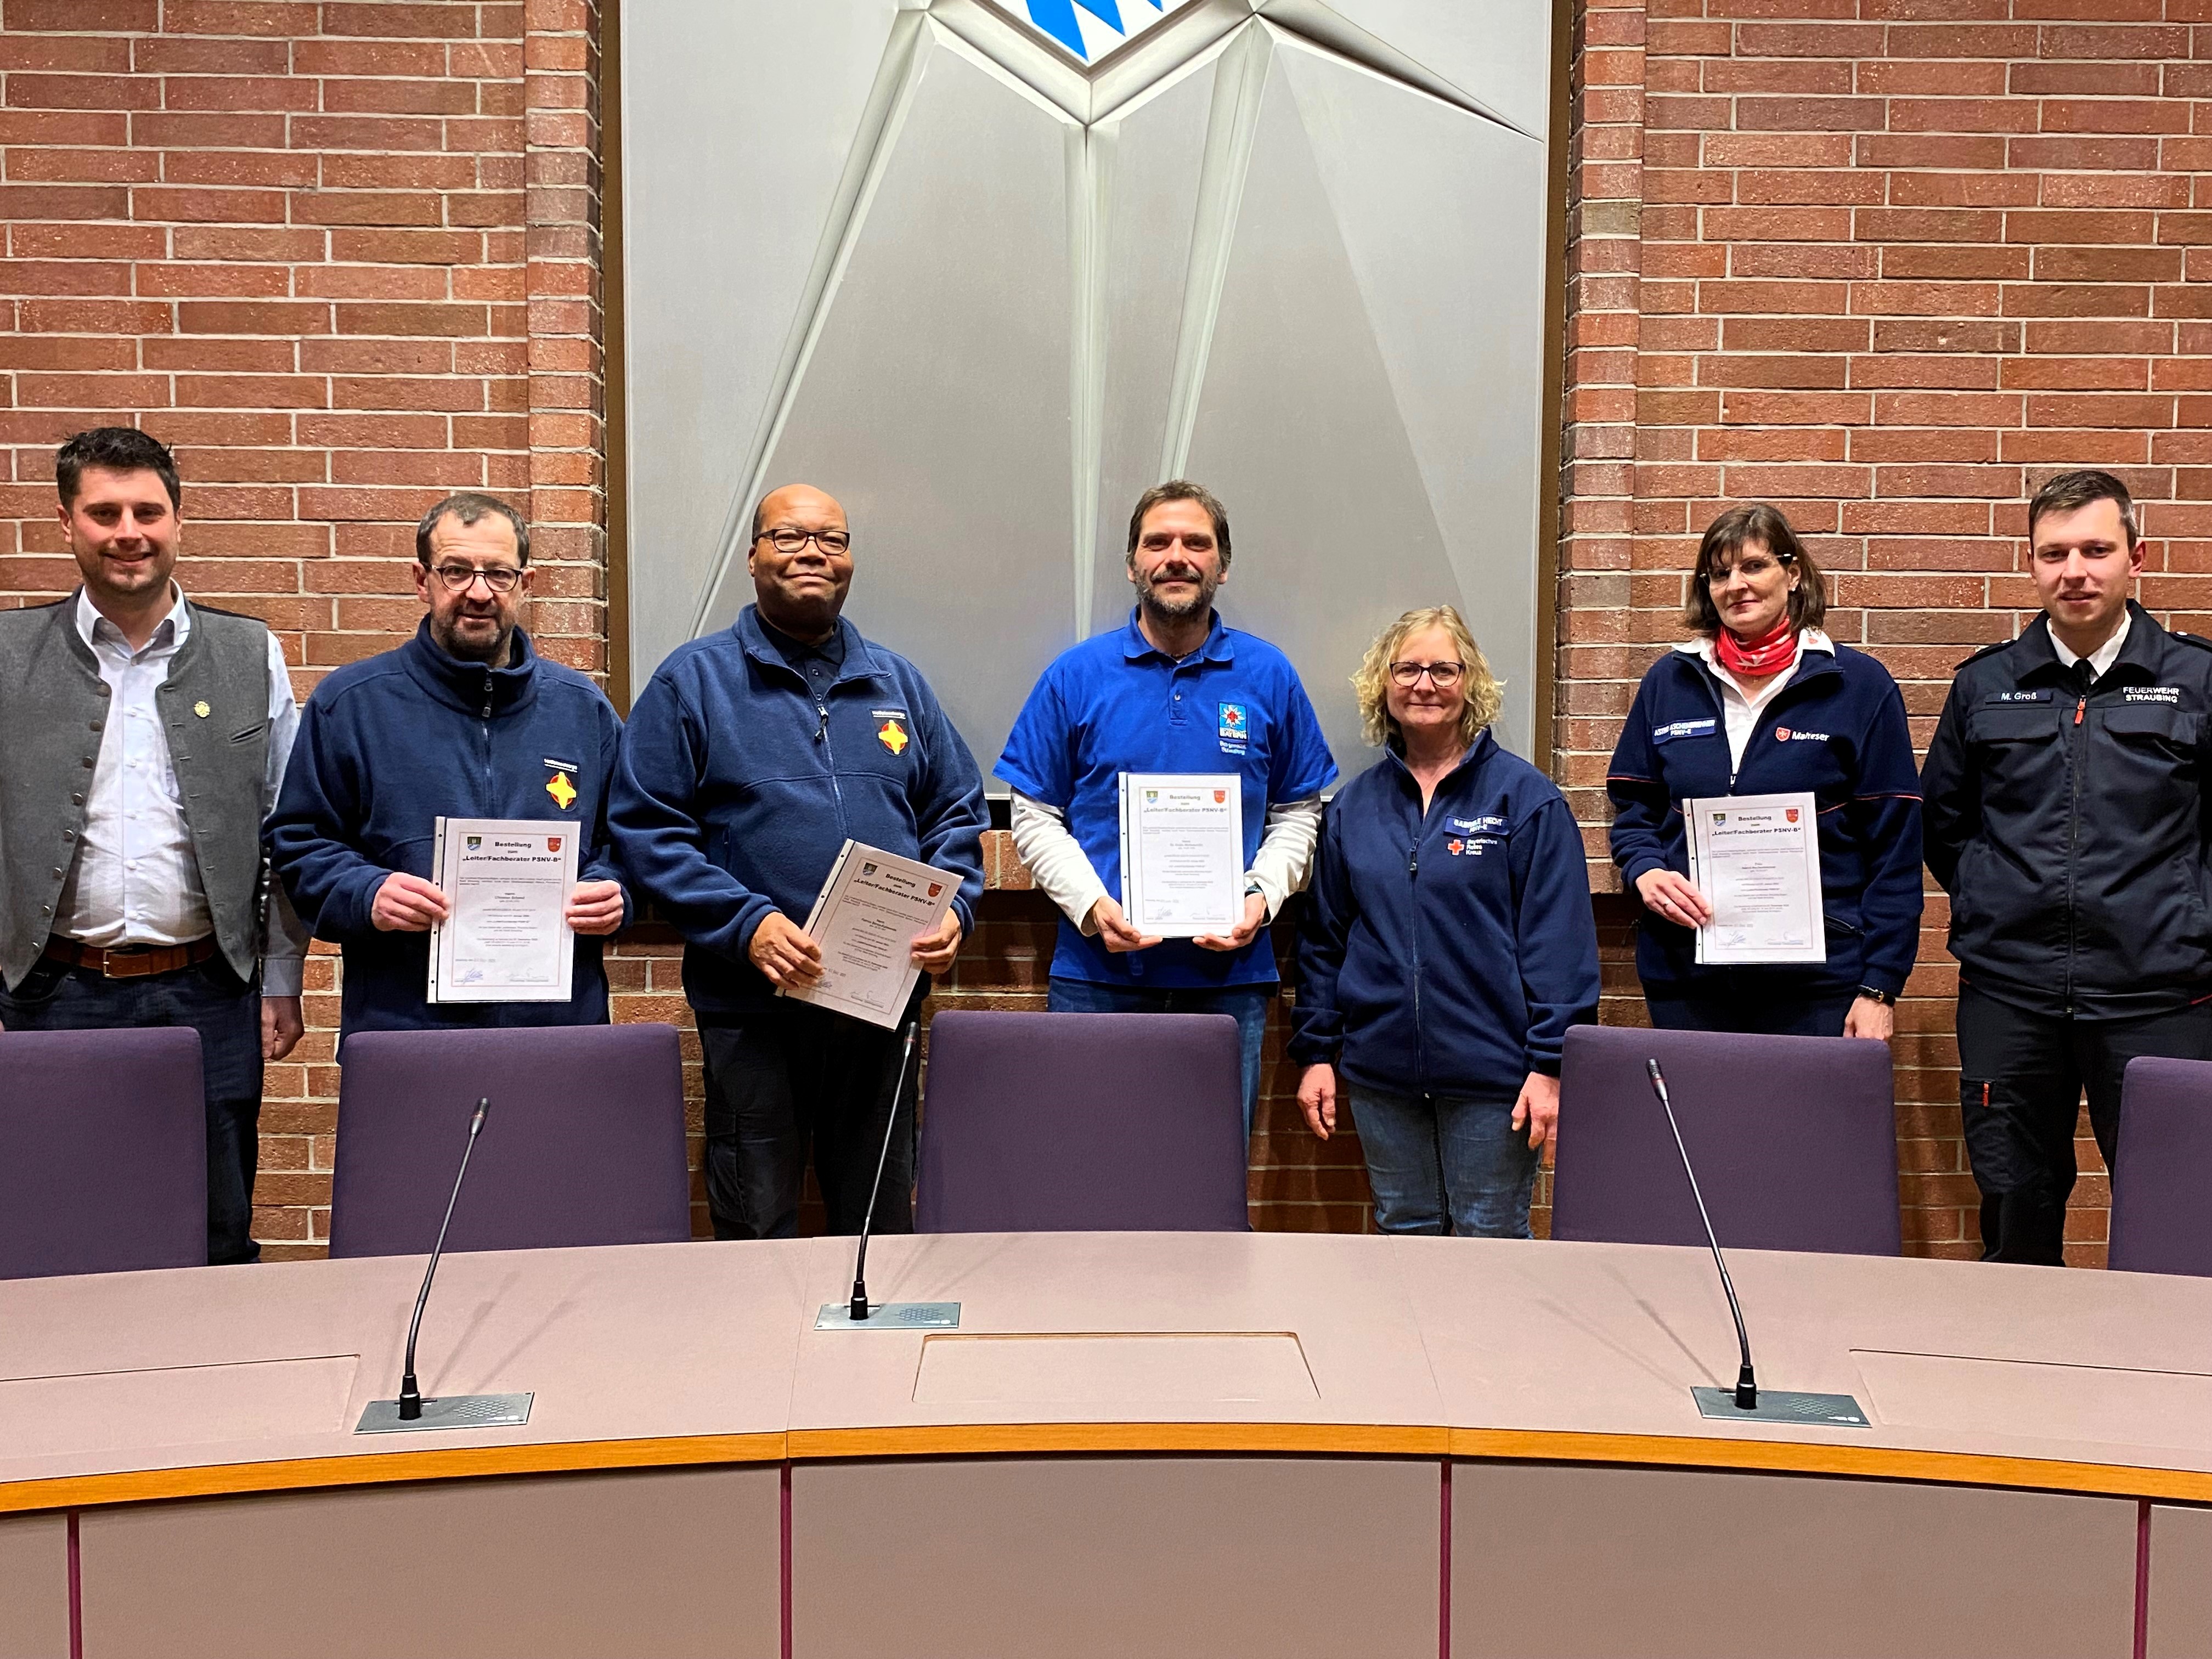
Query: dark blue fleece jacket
[1447,952]
[736,788]
[388,745]
[1837,731]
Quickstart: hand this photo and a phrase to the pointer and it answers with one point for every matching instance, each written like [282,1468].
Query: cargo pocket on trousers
[1998,1149]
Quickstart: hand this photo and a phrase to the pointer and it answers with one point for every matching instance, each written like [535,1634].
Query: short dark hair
[468,507]
[2069,492]
[1182,489]
[115,449]
[1754,521]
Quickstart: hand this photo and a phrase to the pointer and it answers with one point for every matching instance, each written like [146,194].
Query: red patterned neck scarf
[1770,653]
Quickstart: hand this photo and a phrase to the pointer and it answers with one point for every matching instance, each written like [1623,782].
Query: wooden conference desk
[1135,1444]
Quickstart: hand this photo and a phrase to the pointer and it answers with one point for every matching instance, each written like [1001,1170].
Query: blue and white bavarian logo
[1091,28]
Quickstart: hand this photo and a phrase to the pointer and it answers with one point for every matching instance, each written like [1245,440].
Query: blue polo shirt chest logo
[1235,728]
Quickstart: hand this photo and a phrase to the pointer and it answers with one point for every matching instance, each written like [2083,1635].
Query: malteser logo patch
[1789,734]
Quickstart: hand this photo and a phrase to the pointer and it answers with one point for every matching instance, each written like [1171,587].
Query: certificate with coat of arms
[506,883]
[1757,859]
[1182,853]
[866,921]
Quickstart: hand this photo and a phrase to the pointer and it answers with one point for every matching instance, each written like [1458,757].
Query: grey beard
[496,653]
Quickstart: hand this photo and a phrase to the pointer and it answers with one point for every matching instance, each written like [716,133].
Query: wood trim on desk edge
[999,1439]
[384,1467]
[1830,1458]
[1003,1439]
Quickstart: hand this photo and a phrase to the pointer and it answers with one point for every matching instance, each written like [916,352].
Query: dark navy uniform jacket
[2067,821]
[1836,730]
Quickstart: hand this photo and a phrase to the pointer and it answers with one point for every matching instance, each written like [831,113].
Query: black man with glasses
[1173,690]
[466,719]
[750,757]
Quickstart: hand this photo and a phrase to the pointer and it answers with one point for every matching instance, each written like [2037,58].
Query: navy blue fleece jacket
[390,744]
[736,788]
[1447,952]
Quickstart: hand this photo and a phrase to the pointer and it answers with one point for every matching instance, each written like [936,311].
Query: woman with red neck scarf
[1761,701]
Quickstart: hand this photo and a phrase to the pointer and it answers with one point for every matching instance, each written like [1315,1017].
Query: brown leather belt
[131,961]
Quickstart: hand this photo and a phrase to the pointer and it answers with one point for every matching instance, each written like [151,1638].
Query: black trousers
[1750,1001]
[794,1079]
[2020,1079]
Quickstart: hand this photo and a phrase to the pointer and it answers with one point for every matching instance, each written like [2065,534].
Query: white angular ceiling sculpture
[988,272]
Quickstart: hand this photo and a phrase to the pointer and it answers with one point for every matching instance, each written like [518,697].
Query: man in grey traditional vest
[143,740]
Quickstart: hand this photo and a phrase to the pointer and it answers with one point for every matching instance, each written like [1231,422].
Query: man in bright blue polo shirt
[1172,690]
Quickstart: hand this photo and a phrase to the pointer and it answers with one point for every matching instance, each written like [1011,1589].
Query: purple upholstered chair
[1082,1122]
[103,1151]
[2162,1213]
[1795,1139]
[583,1144]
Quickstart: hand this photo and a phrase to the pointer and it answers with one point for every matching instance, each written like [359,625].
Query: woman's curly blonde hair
[1484,691]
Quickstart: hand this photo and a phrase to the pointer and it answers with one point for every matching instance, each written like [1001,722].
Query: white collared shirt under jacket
[136,879]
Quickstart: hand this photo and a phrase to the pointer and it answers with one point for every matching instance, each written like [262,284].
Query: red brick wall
[1886,261]
[341,256]
[1889,262]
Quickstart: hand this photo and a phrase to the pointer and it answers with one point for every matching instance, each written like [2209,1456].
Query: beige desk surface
[246,1379]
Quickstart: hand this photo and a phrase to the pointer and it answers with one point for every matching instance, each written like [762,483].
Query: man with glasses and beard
[464,721]
[1173,690]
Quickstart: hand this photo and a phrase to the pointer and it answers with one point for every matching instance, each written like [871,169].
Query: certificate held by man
[1182,853]
[506,936]
[1757,859]
[865,924]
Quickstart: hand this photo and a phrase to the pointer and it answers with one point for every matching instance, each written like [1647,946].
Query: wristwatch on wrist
[1882,997]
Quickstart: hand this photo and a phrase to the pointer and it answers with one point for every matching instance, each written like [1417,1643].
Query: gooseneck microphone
[1747,1385]
[859,1305]
[410,1395]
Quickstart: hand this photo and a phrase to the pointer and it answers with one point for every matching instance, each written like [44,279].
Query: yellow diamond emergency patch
[562,790]
[893,737]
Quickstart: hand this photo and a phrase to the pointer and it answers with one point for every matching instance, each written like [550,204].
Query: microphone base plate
[891,1317]
[455,1411]
[1835,1411]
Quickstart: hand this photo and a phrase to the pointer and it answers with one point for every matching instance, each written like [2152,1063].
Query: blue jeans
[1245,1004]
[225,1012]
[1431,1156]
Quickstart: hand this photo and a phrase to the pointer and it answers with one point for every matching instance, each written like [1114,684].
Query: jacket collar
[469,685]
[2139,653]
[1135,646]
[1811,642]
[1480,750]
[860,661]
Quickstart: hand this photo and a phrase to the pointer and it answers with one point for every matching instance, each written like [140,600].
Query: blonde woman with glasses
[1448,946]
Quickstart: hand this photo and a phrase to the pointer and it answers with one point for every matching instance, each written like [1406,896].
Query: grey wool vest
[53,711]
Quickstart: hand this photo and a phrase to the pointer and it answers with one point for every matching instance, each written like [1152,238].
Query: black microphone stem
[860,1308]
[410,1394]
[1746,1385]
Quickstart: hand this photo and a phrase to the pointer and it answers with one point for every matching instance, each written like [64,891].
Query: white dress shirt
[136,879]
[1740,708]
[1061,866]
[2102,658]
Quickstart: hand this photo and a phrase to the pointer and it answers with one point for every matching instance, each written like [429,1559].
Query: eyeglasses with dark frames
[789,540]
[1441,675]
[459,578]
